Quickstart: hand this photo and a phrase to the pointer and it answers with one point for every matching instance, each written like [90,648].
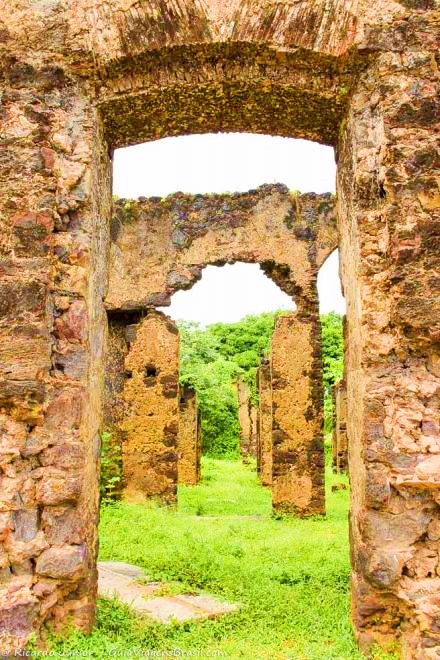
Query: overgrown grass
[227,489]
[290,576]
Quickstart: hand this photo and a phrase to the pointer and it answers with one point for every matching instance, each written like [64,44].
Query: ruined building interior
[80,279]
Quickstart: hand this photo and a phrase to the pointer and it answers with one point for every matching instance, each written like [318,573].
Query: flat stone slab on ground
[122,567]
[120,580]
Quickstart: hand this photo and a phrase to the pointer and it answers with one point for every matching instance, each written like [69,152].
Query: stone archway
[79,80]
[159,246]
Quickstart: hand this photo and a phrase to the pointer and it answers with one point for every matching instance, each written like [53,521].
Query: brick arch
[66,68]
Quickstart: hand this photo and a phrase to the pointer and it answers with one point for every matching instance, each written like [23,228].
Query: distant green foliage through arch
[212,359]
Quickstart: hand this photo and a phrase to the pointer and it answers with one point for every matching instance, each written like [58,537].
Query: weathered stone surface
[264,453]
[289,235]
[122,581]
[297,441]
[339,438]
[55,486]
[149,395]
[189,439]
[362,76]
[64,561]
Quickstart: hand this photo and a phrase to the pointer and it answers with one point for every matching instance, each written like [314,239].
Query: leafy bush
[332,361]
[111,468]
[211,361]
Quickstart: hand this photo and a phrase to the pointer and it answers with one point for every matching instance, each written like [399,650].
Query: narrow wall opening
[225,322]
[267,221]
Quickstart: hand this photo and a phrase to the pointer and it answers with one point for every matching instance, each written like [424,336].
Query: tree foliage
[332,349]
[213,359]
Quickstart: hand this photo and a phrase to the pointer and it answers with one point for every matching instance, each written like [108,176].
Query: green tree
[332,343]
[211,361]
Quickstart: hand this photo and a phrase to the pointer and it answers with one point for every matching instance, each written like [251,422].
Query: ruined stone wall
[298,448]
[253,413]
[79,79]
[264,453]
[160,246]
[388,198]
[54,216]
[189,441]
[244,418]
[339,437]
[150,415]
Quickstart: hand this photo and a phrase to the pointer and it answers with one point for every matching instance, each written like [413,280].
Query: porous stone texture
[264,449]
[339,436]
[129,585]
[388,200]
[79,79]
[160,246]
[189,440]
[244,418]
[149,422]
[297,442]
[254,431]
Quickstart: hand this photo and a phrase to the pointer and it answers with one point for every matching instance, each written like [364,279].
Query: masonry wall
[264,453]
[189,441]
[254,430]
[79,81]
[339,437]
[298,448]
[389,204]
[244,418]
[150,397]
[160,246]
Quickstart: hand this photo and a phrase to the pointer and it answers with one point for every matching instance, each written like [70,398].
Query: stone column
[244,418]
[340,443]
[298,452]
[334,435]
[388,201]
[52,327]
[253,414]
[189,445]
[265,423]
[151,416]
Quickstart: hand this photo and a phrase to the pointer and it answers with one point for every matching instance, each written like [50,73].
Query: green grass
[289,575]
[228,488]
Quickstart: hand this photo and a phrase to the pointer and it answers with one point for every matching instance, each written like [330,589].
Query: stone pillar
[52,330]
[253,414]
[151,415]
[298,450]
[340,442]
[334,437]
[189,443]
[388,201]
[244,418]
[265,423]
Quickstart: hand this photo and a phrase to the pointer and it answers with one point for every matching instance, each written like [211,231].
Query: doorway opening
[164,250]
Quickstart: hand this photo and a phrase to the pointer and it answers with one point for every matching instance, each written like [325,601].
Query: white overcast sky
[231,162]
